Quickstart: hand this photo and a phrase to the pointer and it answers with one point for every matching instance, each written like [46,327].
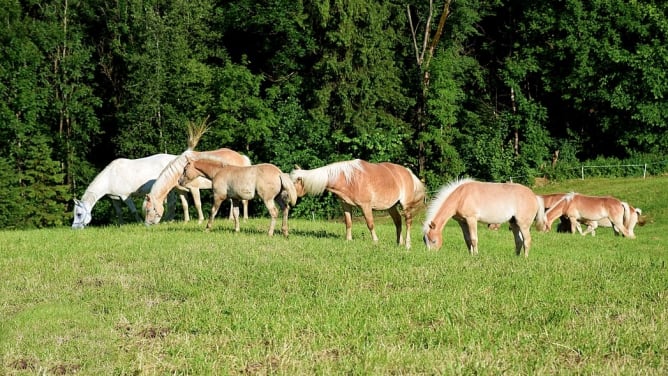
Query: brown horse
[369,186]
[243,183]
[469,202]
[634,218]
[584,208]
[153,206]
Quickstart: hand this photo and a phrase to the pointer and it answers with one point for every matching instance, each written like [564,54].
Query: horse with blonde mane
[121,180]
[243,183]
[590,209]
[168,179]
[469,202]
[369,186]
[635,218]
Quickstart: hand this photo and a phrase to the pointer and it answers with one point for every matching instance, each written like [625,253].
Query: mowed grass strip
[173,299]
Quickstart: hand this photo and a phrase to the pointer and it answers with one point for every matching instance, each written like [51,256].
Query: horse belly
[241,193]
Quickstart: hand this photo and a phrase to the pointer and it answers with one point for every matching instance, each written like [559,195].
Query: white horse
[120,180]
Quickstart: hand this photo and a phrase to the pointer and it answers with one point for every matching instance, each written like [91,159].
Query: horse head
[82,215]
[433,238]
[153,210]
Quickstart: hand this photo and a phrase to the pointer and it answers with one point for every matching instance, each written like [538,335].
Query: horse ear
[297,167]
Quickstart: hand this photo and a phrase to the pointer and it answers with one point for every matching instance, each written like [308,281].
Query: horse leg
[467,234]
[184,205]
[131,204]
[396,218]
[620,226]
[368,218]
[231,216]
[348,219]
[117,207]
[245,204]
[285,208]
[522,236]
[171,206]
[197,200]
[273,212]
[234,211]
[217,201]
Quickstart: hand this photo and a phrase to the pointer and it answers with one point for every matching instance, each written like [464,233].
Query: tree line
[488,89]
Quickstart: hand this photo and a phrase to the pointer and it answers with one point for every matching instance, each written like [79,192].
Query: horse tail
[540,215]
[627,214]
[557,209]
[195,132]
[289,187]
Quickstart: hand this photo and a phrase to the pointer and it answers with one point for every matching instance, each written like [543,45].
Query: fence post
[644,171]
[582,172]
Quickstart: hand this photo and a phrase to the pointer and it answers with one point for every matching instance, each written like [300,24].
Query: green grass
[173,299]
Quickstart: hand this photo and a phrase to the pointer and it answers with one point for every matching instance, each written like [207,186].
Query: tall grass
[173,299]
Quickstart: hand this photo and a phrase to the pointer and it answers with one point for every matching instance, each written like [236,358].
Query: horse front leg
[117,207]
[217,201]
[197,200]
[184,205]
[368,218]
[467,234]
[348,219]
[396,218]
[131,204]
[245,204]
[234,210]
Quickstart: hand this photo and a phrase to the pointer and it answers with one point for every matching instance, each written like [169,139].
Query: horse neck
[97,189]
[206,168]
[168,178]
[445,205]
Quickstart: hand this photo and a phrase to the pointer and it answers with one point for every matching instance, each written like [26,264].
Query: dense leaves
[507,89]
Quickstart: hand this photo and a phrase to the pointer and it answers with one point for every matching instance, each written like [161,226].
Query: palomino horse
[369,186]
[588,209]
[243,183]
[120,180]
[469,202]
[635,217]
[168,179]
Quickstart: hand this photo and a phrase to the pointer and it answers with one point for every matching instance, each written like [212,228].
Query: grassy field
[173,299]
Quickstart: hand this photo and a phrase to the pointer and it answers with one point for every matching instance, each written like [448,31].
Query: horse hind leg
[522,237]
[285,209]
[396,218]
[217,201]
[273,212]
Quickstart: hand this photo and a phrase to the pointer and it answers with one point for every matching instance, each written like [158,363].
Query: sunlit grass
[173,299]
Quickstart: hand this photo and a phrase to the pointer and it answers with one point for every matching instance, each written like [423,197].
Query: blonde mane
[440,198]
[316,180]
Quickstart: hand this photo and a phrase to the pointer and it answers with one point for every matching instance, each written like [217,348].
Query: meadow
[173,299]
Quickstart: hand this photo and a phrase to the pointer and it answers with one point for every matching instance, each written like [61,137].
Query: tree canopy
[489,89]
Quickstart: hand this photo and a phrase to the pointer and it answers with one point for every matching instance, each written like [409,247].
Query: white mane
[440,198]
[316,180]
[169,175]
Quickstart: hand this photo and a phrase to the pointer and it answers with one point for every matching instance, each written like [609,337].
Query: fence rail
[583,167]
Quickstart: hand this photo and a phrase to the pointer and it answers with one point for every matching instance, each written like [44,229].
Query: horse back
[595,207]
[496,202]
[123,177]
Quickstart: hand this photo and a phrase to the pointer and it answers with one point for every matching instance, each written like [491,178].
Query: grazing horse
[168,179]
[630,221]
[120,180]
[591,208]
[369,186]
[469,202]
[243,183]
